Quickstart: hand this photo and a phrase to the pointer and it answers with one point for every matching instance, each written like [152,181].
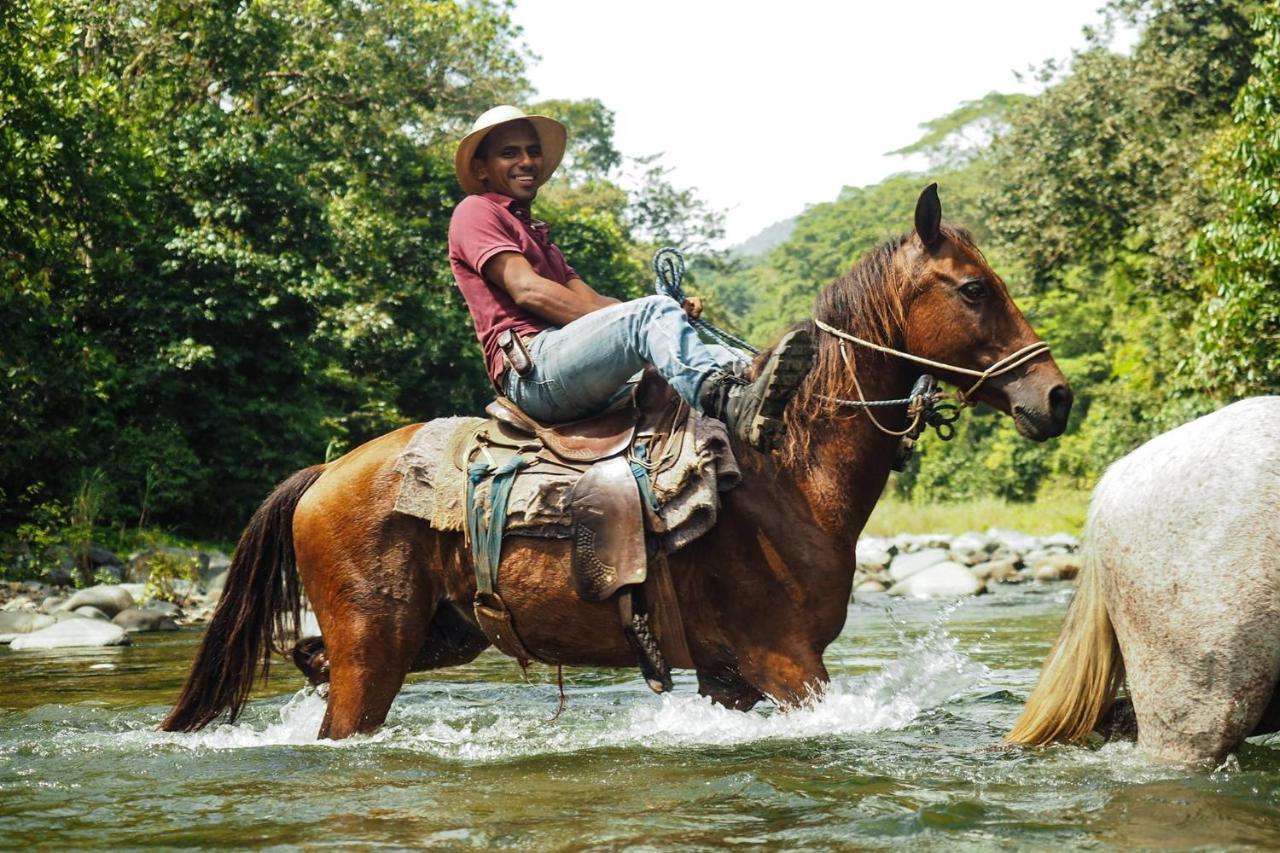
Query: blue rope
[486,540]
[668,267]
[638,469]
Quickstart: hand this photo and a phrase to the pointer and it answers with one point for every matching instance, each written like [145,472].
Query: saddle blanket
[686,484]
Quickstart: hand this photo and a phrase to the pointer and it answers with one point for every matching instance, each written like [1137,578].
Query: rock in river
[906,565]
[940,579]
[73,632]
[134,620]
[19,622]
[107,598]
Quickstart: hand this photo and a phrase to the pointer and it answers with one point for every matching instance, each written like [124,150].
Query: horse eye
[973,289]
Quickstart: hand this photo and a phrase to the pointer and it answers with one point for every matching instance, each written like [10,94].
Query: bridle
[923,406]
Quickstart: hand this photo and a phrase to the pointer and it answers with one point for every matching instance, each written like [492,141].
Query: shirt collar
[521,212]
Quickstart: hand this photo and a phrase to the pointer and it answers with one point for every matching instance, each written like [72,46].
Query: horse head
[959,313]
[928,302]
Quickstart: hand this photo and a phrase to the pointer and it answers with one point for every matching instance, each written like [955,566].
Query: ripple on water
[903,745]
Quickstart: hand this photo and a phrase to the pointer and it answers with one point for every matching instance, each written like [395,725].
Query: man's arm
[555,303]
[579,286]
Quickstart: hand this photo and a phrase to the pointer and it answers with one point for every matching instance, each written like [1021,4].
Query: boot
[753,409]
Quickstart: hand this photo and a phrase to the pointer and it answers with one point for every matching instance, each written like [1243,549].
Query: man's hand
[693,307]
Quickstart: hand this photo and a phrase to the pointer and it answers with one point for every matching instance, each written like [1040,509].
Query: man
[553,345]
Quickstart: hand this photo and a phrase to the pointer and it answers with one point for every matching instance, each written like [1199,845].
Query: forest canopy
[223,238]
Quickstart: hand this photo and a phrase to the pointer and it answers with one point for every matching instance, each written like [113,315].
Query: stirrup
[639,634]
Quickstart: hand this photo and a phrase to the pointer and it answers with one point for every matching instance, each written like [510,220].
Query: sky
[766,107]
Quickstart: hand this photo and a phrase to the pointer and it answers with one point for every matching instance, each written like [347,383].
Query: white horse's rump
[1180,593]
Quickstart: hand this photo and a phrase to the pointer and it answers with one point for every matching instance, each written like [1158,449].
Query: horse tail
[262,600]
[1079,680]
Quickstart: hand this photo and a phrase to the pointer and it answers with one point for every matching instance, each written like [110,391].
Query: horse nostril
[1060,398]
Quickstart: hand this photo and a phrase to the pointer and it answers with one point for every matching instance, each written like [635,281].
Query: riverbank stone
[108,598]
[940,579]
[71,633]
[135,620]
[995,570]
[88,611]
[872,555]
[907,564]
[17,622]
[1058,567]
[215,585]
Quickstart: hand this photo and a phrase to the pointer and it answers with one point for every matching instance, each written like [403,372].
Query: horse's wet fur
[761,595]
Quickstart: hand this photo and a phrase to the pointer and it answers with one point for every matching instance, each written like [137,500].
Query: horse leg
[725,687]
[789,677]
[367,667]
[374,579]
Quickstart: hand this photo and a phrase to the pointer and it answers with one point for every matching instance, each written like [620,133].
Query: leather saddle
[607,453]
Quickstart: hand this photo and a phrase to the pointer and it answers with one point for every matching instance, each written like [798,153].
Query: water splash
[488,723]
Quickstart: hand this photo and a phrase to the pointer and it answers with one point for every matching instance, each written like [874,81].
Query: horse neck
[851,457]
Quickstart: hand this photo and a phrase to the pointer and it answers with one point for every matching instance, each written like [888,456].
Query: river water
[903,748]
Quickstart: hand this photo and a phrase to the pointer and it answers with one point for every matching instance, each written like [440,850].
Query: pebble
[993,558]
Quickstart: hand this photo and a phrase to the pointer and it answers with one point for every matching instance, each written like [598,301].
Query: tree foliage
[224,231]
[1087,198]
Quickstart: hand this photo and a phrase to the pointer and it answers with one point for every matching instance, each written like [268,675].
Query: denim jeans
[582,368]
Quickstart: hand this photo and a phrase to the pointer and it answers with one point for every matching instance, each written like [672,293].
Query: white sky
[766,107]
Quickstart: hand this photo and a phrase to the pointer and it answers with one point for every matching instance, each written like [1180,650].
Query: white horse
[1180,595]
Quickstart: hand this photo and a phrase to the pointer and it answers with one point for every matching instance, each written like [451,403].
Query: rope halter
[1009,362]
[963,397]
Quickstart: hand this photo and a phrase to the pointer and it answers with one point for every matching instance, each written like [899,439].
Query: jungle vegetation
[223,240]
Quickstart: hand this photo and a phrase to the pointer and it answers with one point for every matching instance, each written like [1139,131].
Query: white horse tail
[1079,680]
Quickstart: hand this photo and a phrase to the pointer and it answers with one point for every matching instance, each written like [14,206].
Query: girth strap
[486,535]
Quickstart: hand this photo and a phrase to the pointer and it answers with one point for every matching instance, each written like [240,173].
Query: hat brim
[552,136]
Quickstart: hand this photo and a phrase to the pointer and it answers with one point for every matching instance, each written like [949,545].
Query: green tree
[1238,326]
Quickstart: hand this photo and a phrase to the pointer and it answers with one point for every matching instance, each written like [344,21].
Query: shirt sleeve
[478,231]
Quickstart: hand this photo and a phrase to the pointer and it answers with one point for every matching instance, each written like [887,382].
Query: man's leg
[579,368]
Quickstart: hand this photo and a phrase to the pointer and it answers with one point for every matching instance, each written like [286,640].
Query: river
[904,748]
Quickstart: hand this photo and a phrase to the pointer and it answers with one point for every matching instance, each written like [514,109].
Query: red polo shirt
[482,226]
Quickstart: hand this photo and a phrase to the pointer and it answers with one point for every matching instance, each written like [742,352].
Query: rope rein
[668,267]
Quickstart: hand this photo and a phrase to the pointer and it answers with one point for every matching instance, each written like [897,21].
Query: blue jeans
[584,367]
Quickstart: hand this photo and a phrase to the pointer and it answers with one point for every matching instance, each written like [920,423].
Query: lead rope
[668,269]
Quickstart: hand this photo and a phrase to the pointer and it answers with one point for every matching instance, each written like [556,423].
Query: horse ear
[929,217]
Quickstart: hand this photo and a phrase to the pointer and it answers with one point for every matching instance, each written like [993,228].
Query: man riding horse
[553,345]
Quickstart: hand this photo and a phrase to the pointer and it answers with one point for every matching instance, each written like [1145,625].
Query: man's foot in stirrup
[753,410]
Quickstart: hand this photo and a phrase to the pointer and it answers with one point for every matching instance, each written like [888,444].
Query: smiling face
[510,161]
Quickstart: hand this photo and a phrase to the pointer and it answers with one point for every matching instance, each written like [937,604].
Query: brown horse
[762,594]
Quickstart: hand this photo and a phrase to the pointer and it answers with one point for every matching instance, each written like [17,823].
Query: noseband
[921,405]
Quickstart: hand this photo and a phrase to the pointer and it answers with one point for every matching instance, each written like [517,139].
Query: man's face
[513,161]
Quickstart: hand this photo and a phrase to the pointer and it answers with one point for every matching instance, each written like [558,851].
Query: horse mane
[870,301]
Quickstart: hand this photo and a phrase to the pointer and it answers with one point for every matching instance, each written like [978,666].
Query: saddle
[610,455]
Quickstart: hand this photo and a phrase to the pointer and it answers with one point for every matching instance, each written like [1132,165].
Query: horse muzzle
[1040,413]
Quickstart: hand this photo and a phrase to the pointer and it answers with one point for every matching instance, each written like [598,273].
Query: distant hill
[776,234]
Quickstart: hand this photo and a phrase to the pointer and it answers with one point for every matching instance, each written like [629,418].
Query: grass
[1063,512]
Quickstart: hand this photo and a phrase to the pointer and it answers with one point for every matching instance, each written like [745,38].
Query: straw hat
[551,135]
